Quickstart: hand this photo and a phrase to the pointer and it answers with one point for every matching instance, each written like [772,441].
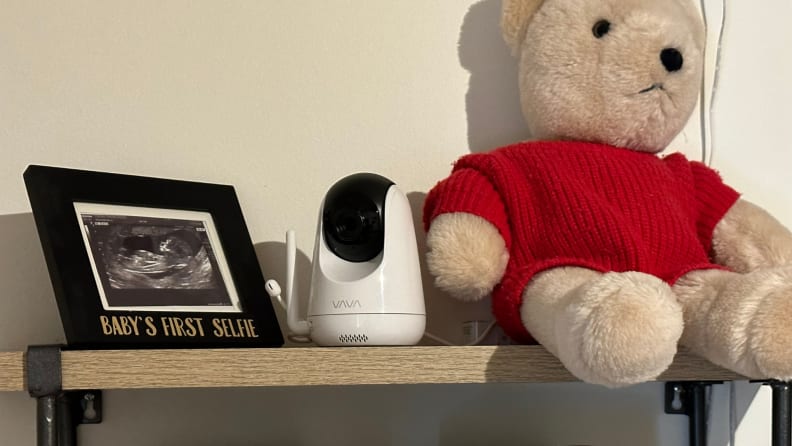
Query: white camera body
[366,280]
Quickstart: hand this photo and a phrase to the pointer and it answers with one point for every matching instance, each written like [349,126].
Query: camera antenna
[297,325]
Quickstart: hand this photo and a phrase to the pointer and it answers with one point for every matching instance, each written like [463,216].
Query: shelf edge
[12,371]
[151,369]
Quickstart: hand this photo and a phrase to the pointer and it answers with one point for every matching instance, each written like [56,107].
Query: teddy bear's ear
[515,16]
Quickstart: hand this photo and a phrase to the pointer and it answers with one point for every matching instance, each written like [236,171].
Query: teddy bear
[589,240]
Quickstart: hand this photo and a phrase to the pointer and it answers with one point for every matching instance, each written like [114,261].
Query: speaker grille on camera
[353,338]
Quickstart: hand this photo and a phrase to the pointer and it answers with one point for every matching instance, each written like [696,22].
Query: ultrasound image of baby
[158,257]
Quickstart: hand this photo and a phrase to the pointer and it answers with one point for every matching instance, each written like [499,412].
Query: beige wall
[280,99]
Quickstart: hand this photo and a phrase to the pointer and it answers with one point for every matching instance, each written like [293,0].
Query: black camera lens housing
[353,216]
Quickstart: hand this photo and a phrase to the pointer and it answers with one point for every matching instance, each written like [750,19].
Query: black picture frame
[142,262]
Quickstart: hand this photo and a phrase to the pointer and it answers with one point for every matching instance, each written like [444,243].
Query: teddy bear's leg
[740,321]
[614,329]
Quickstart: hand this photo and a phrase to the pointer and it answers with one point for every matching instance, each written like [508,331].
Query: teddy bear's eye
[601,28]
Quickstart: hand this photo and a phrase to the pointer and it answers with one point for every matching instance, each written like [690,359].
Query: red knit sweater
[588,205]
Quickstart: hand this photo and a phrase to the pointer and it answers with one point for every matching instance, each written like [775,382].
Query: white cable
[476,341]
[300,339]
[711,75]
[274,291]
[715,82]
[437,339]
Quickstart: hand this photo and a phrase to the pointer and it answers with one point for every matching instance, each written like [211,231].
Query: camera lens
[352,217]
[348,225]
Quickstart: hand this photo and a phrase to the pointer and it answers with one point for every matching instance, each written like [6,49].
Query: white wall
[280,99]
[752,115]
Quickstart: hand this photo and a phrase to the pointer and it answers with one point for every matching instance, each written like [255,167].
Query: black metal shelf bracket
[58,413]
[690,398]
[782,412]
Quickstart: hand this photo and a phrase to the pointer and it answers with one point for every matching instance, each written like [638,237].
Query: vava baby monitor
[366,281]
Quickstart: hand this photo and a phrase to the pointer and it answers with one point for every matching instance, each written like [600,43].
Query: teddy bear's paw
[467,255]
[620,329]
[740,321]
[771,329]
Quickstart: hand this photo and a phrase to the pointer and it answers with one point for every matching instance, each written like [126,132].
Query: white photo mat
[83,209]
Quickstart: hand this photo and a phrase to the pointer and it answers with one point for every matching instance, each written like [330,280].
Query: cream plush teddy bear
[588,240]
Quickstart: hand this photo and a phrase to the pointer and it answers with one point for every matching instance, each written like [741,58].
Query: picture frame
[143,262]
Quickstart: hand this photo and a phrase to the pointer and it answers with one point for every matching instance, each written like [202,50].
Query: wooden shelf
[12,371]
[150,369]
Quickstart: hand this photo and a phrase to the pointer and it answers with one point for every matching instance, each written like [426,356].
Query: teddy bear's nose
[672,59]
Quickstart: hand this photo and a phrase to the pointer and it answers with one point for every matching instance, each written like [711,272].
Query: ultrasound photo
[145,261]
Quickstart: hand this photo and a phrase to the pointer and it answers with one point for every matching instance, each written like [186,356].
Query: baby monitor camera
[366,280]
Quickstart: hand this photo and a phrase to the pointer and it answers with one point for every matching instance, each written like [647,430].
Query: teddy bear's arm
[467,256]
[467,190]
[738,234]
[468,235]
[749,238]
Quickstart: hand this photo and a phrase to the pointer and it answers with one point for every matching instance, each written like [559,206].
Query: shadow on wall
[444,314]
[493,99]
[30,313]
[621,416]
[556,414]
[494,120]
